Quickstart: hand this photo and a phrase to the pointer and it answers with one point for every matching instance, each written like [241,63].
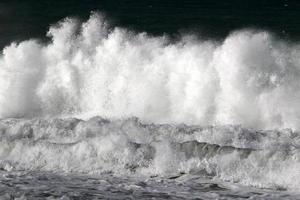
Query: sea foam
[266,159]
[250,78]
[225,94]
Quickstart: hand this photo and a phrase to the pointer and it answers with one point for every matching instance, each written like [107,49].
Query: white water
[267,159]
[91,69]
[250,78]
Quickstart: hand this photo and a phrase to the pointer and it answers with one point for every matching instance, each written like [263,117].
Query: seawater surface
[45,185]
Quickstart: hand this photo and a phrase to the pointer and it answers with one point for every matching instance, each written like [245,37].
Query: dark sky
[23,19]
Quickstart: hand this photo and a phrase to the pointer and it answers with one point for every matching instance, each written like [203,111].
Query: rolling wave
[128,146]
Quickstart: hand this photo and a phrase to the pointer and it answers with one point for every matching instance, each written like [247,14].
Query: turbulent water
[129,148]
[202,118]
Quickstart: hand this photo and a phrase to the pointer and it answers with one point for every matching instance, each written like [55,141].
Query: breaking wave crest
[231,153]
[50,93]
[91,68]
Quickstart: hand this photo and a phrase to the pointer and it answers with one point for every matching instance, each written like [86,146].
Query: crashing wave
[91,68]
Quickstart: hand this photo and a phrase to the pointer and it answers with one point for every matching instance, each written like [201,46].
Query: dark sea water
[149,99]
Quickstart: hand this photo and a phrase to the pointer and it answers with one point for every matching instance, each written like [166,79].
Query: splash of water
[91,68]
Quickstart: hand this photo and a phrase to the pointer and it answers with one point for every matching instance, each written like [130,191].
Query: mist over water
[91,68]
